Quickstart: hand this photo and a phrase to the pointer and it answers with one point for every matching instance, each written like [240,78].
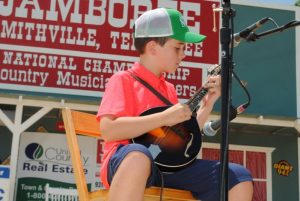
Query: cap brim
[190,37]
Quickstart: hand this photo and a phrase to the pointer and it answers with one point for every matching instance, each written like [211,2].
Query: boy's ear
[151,47]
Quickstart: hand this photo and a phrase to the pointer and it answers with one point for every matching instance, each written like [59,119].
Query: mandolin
[175,147]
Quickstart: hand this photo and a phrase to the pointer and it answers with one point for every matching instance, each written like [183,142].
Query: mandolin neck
[196,99]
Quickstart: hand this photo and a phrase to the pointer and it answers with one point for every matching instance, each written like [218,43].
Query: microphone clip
[252,37]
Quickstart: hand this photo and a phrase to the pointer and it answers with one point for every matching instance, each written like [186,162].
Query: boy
[127,168]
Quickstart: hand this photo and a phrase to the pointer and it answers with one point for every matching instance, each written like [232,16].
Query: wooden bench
[83,123]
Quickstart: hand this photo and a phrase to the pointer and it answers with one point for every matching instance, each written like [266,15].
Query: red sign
[72,47]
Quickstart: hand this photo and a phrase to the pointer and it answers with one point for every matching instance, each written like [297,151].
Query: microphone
[238,37]
[211,128]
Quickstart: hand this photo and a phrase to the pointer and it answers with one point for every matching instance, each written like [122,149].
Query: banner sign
[73,47]
[4,182]
[45,158]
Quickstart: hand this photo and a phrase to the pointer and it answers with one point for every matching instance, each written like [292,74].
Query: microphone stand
[227,70]
[227,65]
[253,36]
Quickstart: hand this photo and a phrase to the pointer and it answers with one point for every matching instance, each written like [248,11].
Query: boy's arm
[207,104]
[120,128]
[202,115]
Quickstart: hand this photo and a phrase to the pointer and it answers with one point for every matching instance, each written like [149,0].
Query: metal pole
[226,62]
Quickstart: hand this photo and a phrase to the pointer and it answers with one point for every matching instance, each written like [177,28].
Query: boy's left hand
[214,90]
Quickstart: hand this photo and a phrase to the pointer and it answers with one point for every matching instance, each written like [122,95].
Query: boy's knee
[240,170]
[138,158]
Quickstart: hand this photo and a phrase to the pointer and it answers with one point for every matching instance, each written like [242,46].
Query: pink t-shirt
[125,96]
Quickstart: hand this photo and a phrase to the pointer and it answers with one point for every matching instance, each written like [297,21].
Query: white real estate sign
[45,158]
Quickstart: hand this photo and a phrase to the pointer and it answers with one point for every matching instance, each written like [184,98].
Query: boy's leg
[241,191]
[130,179]
[203,176]
[128,173]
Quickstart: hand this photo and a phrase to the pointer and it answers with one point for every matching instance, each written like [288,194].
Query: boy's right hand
[176,114]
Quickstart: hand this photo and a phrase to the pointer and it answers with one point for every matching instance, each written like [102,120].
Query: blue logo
[1,194]
[4,172]
[34,151]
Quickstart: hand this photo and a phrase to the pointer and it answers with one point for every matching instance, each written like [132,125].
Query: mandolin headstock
[214,69]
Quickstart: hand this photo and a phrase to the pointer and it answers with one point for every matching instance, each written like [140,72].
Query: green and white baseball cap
[165,22]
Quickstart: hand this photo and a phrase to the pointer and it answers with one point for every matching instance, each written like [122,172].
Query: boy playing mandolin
[127,168]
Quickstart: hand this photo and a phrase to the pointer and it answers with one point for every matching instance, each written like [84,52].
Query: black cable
[274,22]
[242,107]
[162,184]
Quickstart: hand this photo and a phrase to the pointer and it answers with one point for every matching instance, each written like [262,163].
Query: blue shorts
[201,177]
